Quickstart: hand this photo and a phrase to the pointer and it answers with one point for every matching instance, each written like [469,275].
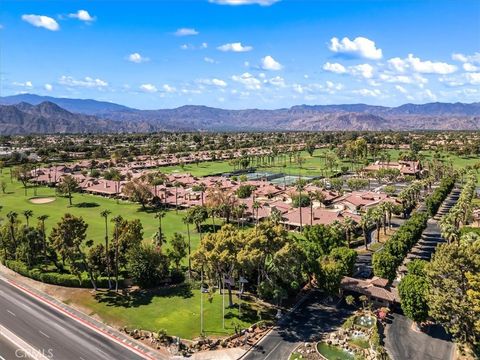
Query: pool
[332,352]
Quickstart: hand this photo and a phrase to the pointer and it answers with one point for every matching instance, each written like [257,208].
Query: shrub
[300,200]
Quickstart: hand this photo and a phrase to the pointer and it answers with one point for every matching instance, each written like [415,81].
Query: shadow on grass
[139,298]
[249,313]
[86,205]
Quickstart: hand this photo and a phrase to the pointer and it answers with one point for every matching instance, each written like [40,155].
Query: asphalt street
[403,343]
[55,334]
[307,323]
[9,351]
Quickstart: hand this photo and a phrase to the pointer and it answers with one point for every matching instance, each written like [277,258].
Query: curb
[90,323]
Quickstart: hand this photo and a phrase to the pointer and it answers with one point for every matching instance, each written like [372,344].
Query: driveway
[403,343]
[308,322]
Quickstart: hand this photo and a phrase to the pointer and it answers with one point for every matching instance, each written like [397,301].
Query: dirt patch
[43,200]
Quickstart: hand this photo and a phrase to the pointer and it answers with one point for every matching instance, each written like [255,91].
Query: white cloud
[186,32]
[475,58]
[248,80]
[298,88]
[26,84]
[430,67]
[209,60]
[360,47]
[364,70]
[148,88]
[244,2]
[48,87]
[428,95]
[82,15]
[398,64]
[269,63]
[137,58]
[235,47]
[86,82]
[169,89]
[401,89]
[277,81]
[473,78]
[417,65]
[42,21]
[332,86]
[335,68]
[214,81]
[204,45]
[368,92]
[470,67]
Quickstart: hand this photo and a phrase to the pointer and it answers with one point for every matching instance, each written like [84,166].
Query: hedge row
[54,278]
[386,261]
[434,201]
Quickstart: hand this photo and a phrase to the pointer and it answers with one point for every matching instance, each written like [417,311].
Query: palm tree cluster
[461,213]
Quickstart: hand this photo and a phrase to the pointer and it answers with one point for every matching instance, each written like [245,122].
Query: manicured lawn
[176,310]
[88,207]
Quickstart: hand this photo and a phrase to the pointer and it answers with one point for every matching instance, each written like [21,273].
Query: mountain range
[30,113]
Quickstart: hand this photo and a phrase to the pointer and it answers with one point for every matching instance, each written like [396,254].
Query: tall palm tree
[349,226]
[105,214]
[450,233]
[28,214]
[365,223]
[117,221]
[255,207]
[187,220]
[159,237]
[42,219]
[12,219]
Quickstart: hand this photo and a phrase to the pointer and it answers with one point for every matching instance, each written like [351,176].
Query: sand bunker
[44,200]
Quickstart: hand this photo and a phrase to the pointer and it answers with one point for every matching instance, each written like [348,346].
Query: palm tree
[12,219]
[349,226]
[159,237]
[28,214]
[255,206]
[300,186]
[117,220]
[365,223]
[42,219]
[187,220]
[105,214]
[450,233]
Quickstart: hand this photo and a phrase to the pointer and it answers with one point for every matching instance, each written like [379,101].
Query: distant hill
[31,114]
[84,106]
[48,117]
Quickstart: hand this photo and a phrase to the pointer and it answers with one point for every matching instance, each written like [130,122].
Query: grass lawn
[89,207]
[175,309]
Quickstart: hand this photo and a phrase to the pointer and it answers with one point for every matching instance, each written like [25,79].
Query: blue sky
[242,53]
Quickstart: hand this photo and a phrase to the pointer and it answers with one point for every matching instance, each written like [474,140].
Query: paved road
[52,331]
[8,351]
[308,322]
[403,343]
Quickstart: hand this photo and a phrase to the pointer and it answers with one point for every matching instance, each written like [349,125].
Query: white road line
[11,313]
[21,344]
[41,332]
[270,353]
[2,358]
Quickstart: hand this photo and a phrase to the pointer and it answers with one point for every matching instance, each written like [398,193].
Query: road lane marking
[270,353]
[21,344]
[41,332]
[11,313]
[86,323]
